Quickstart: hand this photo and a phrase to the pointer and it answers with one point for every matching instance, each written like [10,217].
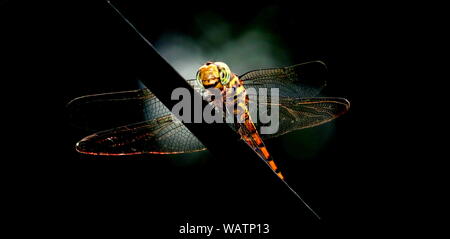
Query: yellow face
[213,74]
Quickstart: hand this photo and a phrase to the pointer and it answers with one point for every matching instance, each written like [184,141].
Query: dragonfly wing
[296,114]
[163,135]
[111,110]
[298,81]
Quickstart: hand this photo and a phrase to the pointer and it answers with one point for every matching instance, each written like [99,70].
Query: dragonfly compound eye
[225,73]
[198,78]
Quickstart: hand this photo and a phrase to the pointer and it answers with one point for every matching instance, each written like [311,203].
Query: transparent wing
[163,135]
[111,110]
[298,85]
[297,81]
[157,132]
[296,114]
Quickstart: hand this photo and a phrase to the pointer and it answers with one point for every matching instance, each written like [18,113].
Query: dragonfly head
[213,74]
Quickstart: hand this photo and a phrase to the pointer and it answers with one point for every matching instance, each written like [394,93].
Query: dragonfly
[151,128]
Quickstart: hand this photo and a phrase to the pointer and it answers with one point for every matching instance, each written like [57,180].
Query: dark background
[57,51]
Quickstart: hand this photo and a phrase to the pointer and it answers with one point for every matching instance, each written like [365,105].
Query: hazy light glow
[253,48]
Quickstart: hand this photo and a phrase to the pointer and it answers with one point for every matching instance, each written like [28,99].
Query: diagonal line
[205,142]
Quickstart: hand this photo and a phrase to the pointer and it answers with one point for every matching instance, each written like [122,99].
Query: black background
[58,51]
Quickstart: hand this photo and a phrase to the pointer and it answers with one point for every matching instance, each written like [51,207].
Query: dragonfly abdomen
[254,140]
[245,125]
